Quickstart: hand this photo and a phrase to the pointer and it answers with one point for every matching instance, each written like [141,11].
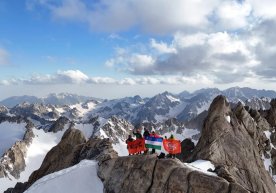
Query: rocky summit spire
[230,141]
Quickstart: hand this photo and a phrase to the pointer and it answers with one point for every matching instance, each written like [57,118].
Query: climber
[146,134]
[138,136]
[172,138]
[153,134]
[129,139]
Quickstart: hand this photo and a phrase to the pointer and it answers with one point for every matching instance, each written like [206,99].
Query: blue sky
[118,48]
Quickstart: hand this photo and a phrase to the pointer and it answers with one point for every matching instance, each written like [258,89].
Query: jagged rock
[273,138]
[60,156]
[59,124]
[271,115]
[19,187]
[187,147]
[148,174]
[234,146]
[116,128]
[3,109]
[273,160]
[13,161]
[97,149]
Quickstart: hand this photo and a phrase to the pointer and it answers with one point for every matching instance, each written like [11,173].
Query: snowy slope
[40,146]
[9,134]
[79,178]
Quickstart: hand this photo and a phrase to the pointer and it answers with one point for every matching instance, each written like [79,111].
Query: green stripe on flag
[153,146]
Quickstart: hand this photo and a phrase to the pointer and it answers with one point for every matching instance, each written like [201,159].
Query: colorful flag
[153,142]
[136,146]
[172,146]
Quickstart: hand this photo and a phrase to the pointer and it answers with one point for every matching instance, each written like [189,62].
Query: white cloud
[4,57]
[61,77]
[76,77]
[101,80]
[160,16]
[118,15]
[264,9]
[223,56]
[162,47]
[233,14]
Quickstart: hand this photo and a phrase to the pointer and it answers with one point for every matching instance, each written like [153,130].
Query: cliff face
[233,142]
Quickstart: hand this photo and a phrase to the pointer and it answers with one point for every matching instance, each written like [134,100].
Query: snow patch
[121,148]
[202,166]
[79,178]
[228,119]
[9,134]
[172,99]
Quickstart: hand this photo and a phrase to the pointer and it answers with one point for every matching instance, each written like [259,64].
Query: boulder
[146,173]
[187,147]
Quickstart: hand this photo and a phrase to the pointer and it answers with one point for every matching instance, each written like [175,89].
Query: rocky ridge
[12,161]
[230,139]
[118,173]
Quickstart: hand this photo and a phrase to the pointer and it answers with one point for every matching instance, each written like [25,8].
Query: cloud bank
[224,41]
[77,77]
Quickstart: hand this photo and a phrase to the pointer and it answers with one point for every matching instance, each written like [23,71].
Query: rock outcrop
[59,124]
[271,115]
[230,141]
[187,147]
[148,174]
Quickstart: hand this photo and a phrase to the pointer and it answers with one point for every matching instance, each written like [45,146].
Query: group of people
[138,135]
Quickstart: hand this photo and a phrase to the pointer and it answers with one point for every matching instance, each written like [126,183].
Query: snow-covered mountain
[32,129]
[163,106]
[53,99]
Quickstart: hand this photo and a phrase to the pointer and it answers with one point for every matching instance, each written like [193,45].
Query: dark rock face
[271,115]
[234,146]
[59,124]
[147,174]
[187,147]
[19,187]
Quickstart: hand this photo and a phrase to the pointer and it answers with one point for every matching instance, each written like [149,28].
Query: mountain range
[37,132]
[184,106]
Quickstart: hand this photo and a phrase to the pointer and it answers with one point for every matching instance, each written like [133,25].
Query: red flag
[136,146]
[172,146]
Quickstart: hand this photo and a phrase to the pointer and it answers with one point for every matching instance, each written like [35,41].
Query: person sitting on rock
[129,139]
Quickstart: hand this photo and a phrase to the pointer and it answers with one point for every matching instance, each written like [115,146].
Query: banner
[172,146]
[136,146]
[153,142]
